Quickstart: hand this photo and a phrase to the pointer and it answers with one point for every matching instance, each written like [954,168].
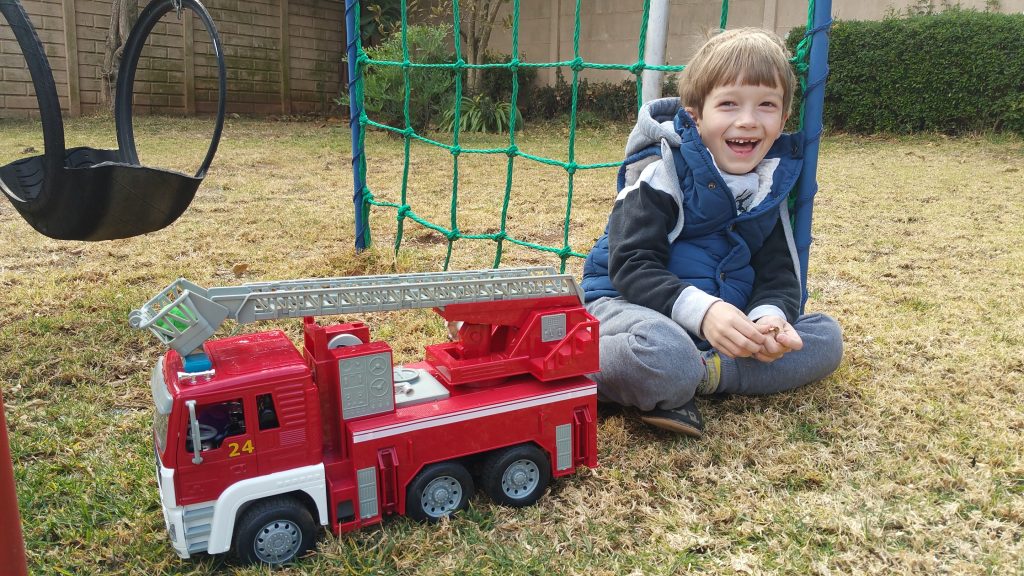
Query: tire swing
[90,194]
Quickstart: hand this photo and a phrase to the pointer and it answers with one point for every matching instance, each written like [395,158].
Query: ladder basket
[182,316]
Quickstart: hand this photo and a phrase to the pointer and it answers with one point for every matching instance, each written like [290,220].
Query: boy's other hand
[781,338]
[730,331]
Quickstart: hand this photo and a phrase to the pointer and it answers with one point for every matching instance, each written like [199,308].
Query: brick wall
[250,33]
[159,77]
[177,71]
[316,27]
[17,97]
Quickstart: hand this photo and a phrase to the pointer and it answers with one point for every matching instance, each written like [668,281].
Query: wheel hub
[520,479]
[441,496]
[278,541]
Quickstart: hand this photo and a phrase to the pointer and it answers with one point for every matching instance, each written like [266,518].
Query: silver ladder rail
[184,314]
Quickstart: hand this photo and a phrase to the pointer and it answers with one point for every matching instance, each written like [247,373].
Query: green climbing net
[577,64]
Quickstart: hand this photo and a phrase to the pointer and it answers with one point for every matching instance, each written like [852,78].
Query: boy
[696,281]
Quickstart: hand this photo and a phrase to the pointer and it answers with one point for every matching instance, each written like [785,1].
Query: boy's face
[739,123]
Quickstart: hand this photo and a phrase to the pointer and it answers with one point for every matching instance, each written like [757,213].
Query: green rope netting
[577,64]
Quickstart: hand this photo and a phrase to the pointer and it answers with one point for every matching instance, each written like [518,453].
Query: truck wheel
[516,476]
[274,531]
[438,491]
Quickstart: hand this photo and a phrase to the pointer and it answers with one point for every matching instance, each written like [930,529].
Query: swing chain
[177,7]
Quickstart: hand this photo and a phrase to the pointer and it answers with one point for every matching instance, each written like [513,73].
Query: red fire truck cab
[258,443]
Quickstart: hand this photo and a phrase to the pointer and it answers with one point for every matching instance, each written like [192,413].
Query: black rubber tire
[149,18]
[450,476]
[282,516]
[46,97]
[525,459]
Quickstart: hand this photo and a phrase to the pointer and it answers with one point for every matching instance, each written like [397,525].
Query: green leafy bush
[956,71]
[670,85]
[595,101]
[481,114]
[430,88]
[1014,117]
[615,101]
[491,110]
[547,102]
[497,82]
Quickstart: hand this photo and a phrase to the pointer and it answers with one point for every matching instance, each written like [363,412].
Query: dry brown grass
[907,460]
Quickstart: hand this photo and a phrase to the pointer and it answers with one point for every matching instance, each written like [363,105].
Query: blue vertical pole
[814,103]
[355,110]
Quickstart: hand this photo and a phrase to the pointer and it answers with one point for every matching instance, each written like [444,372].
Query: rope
[577,64]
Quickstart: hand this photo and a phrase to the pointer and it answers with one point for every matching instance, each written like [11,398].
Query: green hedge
[954,72]
[596,102]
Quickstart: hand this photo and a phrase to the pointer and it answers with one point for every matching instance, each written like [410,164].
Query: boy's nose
[746,118]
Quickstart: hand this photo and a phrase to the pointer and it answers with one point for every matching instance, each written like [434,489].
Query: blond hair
[745,56]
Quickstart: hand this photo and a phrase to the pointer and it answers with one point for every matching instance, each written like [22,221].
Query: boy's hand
[730,331]
[781,339]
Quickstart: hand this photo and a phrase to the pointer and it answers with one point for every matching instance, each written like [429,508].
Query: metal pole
[12,546]
[654,49]
[814,105]
[355,110]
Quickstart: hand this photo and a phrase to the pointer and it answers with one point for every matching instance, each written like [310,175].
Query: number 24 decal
[237,450]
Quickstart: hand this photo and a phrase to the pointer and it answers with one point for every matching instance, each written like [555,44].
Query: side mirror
[193,426]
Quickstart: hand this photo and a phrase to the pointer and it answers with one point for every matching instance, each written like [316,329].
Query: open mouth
[742,145]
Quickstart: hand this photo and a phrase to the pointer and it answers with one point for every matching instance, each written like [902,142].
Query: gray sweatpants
[648,361]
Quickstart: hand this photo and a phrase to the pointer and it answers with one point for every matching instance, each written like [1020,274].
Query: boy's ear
[693,113]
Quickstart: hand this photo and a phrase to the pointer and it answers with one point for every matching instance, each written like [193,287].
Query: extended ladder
[184,315]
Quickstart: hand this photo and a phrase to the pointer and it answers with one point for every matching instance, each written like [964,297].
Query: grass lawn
[907,460]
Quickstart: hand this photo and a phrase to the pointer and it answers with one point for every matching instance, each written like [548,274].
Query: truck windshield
[163,401]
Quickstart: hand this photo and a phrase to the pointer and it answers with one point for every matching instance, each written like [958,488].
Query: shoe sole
[672,426]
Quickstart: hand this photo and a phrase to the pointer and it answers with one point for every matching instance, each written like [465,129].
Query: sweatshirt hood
[655,121]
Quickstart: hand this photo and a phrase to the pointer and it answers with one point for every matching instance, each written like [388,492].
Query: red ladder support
[12,546]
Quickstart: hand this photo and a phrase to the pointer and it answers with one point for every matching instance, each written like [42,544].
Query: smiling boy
[696,281]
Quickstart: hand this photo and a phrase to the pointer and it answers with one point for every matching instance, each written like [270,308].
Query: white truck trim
[443,420]
[173,519]
[310,479]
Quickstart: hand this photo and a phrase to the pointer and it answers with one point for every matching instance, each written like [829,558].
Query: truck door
[227,450]
[284,437]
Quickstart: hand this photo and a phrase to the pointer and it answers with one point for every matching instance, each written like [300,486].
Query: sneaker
[684,420]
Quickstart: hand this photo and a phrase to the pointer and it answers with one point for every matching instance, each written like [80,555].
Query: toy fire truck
[258,443]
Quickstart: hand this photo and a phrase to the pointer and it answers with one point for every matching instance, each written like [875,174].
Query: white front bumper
[173,515]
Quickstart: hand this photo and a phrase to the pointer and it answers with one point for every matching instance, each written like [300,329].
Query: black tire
[516,476]
[90,194]
[33,191]
[439,490]
[274,531]
[148,19]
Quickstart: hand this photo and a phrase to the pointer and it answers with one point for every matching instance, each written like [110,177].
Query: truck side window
[217,421]
[266,412]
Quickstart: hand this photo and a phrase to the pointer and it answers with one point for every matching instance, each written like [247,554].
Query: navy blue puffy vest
[713,250]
